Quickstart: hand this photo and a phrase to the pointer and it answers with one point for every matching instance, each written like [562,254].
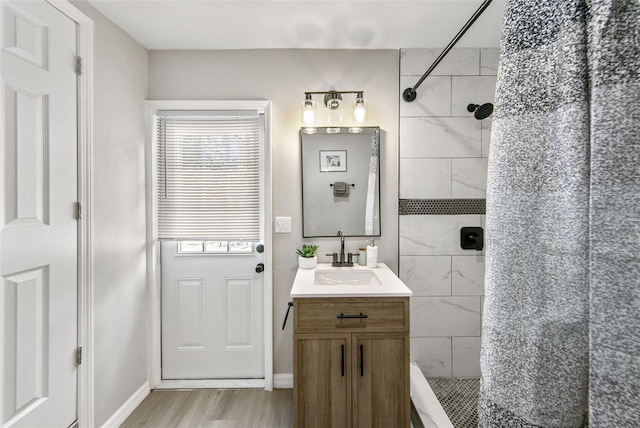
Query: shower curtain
[561,323]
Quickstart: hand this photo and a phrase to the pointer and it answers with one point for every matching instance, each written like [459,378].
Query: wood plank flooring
[214,408]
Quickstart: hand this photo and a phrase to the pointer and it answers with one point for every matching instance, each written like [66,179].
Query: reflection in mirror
[341,182]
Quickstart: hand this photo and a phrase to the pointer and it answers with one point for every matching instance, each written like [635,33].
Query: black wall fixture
[410,94]
[472,238]
[480,111]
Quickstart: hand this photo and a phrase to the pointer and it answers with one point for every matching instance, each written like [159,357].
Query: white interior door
[38,236]
[212,311]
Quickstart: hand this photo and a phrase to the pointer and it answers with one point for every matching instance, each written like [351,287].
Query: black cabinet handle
[342,360]
[361,360]
[343,316]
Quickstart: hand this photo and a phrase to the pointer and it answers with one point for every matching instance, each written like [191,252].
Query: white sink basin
[357,281]
[345,277]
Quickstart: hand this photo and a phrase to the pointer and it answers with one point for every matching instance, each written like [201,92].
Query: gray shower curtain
[561,324]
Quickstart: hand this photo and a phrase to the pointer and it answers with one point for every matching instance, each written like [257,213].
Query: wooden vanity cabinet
[351,362]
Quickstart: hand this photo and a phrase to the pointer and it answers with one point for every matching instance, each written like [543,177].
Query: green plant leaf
[307,251]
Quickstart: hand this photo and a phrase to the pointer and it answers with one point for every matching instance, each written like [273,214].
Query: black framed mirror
[340,181]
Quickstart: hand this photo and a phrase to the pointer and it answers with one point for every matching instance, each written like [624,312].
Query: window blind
[208,177]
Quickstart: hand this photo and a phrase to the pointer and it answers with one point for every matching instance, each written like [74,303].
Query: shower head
[481,111]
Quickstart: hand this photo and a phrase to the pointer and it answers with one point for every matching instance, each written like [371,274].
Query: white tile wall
[427,275]
[433,97]
[445,316]
[425,178]
[433,355]
[466,356]
[469,178]
[443,151]
[489,59]
[467,90]
[486,136]
[440,137]
[434,234]
[467,275]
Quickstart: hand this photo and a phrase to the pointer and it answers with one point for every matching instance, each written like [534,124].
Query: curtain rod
[410,94]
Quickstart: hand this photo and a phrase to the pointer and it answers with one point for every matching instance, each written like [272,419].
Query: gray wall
[283,76]
[119,263]
[443,155]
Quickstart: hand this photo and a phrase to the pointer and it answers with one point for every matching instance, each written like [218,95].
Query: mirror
[340,182]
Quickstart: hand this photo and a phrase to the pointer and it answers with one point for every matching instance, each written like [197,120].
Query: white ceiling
[326,24]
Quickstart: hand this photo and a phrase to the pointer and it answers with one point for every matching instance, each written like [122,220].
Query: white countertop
[389,284]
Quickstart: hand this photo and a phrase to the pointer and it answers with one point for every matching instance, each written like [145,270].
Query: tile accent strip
[442,206]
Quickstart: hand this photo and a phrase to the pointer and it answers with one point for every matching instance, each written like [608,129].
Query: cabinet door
[322,380]
[381,380]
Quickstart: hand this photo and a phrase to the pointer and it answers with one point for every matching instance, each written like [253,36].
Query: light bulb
[308,116]
[308,111]
[360,111]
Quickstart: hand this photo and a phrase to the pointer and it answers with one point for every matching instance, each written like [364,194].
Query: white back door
[212,190]
[38,229]
[212,311]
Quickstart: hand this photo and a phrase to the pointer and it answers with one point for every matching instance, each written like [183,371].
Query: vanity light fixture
[334,103]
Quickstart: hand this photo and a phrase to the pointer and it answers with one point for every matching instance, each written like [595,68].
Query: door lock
[259,267]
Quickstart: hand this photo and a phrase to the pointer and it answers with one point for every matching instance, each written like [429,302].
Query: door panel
[321,371]
[212,315]
[38,231]
[380,359]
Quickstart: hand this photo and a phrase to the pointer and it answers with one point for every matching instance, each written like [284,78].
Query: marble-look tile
[433,355]
[467,90]
[440,137]
[467,275]
[460,62]
[489,60]
[433,235]
[445,316]
[469,178]
[486,136]
[482,308]
[425,178]
[466,356]
[426,275]
[433,97]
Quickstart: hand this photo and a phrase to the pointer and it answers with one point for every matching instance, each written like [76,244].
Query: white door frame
[85,41]
[153,247]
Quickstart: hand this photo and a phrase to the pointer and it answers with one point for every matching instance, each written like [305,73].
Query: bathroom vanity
[351,347]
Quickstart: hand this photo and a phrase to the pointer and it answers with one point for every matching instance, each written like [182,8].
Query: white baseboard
[128,407]
[210,383]
[283,380]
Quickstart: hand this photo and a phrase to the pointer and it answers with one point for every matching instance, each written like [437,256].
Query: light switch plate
[283,224]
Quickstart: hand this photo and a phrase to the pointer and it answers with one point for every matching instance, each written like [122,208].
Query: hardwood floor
[214,408]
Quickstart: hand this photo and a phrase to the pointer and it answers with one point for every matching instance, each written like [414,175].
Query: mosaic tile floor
[459,399]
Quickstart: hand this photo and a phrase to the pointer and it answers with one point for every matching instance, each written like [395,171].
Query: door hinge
[78,65]
[79,355]
[78,210]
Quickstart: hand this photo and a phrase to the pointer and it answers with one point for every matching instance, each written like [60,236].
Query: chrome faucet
[338,259]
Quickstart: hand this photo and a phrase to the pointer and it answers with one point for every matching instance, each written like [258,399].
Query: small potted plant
[307,258]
